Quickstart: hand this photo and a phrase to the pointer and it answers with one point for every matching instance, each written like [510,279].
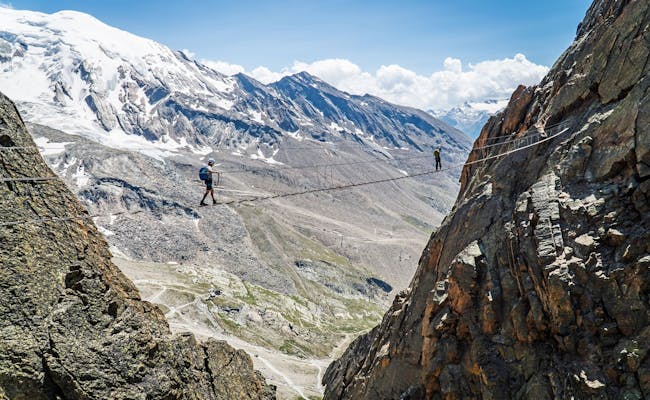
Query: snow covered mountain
[471,116]
[72,72]
[363,117]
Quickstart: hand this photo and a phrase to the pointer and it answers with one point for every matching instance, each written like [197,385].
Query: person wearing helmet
[207,172]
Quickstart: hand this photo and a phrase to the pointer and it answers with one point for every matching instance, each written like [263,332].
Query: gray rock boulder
[72,326]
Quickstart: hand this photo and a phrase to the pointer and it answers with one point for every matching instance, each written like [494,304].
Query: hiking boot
[214,202]
[202,204]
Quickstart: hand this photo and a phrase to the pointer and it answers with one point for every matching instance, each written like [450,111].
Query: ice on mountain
[81,177]
[223,103]
[128,92]
[256,116]
[79,55]
[269,160]
[48,148]
[202,150]
[104,231]
[336,127]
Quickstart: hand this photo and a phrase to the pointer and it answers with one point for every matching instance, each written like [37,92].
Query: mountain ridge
[140,89]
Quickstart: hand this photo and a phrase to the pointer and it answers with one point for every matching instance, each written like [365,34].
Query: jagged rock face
[537,284]
[72,326]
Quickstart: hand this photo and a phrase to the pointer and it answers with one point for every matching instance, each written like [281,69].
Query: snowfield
[52,63]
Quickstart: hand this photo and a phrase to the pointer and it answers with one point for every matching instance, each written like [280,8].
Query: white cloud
[224,67]
[334,70]
[448,87]
[453,65]
[265,75]
[5,4]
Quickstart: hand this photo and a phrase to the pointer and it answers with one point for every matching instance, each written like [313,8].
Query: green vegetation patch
[419,224]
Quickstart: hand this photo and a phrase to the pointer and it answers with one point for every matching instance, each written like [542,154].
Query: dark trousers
[438,164]
[208,190]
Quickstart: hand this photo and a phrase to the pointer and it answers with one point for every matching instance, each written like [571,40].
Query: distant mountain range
[471,116]
[72,72]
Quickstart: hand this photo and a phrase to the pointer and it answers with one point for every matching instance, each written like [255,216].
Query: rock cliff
[72,326]
[536,286]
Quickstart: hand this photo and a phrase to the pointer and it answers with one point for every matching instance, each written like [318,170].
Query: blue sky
[432,54]
[417,34]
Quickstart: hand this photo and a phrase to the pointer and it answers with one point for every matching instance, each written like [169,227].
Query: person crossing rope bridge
[436,154]
[540,139]
[205,174]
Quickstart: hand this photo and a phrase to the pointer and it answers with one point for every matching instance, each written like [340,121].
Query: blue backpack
[204,175]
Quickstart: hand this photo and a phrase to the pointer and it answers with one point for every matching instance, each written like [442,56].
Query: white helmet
[211,161]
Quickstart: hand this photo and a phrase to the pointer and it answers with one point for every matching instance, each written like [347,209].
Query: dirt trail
[294,376]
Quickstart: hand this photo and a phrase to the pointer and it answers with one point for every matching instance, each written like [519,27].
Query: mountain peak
[77,16]
[302,77]
[306,79]
[306,76]
[102,82]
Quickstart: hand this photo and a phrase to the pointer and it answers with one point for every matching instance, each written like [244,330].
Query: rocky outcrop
[537,284]
[72,326]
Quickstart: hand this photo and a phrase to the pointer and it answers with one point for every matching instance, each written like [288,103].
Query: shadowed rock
[72,326]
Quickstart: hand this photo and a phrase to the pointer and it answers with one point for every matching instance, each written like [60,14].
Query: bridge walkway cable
[303,192]
[481,149]
[489,139]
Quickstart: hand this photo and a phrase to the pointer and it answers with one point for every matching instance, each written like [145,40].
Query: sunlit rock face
[536,285]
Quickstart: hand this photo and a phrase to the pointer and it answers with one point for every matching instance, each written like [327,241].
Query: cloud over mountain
[448,87]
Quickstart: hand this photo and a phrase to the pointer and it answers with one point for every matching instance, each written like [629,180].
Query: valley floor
[184,295]
[293,280]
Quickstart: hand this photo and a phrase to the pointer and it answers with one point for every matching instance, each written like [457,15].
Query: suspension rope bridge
[526,145]
[481,149]
[528,138]
[30,179]
[358,184]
